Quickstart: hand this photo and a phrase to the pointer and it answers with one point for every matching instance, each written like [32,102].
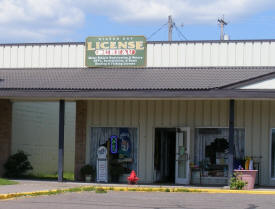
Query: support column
[80,137]
[231,138]
[5,132]
[61,140]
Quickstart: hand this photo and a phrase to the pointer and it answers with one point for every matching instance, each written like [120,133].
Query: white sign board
[102,153]
[102,169]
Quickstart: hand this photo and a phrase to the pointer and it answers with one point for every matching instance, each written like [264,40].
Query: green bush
[87,170]
[17,165]
[236,183]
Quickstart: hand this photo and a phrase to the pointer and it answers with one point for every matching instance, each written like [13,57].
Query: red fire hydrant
[132,179]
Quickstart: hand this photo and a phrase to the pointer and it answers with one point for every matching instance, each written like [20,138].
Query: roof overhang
[137,94]
[143,83]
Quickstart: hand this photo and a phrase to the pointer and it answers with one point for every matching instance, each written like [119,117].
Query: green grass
[75,189]
[67,176]
[7,182]
[100,190]
[187,190]
[88,189]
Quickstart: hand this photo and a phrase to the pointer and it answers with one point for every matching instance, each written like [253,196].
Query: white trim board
[267,84]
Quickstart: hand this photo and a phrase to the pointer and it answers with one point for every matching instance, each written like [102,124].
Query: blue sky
[69,20]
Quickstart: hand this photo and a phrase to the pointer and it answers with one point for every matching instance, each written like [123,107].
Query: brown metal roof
[136,82]
[129,79]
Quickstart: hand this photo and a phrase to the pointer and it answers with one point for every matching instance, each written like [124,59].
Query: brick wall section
[80,137]
[5,132]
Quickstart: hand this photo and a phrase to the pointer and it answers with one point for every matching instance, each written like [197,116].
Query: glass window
[211,150]
[273,154]
[121,144]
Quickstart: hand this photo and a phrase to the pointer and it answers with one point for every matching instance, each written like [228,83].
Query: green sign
[116,51]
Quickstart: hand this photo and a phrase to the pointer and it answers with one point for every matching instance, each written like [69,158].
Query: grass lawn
[66,176]
[7,182]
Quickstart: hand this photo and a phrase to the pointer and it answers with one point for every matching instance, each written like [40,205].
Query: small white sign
[102,152]
[102,168]
[102,171]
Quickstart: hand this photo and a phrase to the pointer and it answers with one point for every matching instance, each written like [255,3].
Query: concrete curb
[136,188]
[194,190]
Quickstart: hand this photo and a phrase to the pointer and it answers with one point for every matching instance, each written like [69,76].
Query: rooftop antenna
[222,23]
[171,24]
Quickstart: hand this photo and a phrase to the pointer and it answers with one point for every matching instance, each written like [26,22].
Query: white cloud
[40,20]
[189,11]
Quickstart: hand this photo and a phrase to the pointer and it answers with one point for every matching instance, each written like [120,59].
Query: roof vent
[226,37]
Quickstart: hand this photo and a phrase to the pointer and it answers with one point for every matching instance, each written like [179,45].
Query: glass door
[182,156]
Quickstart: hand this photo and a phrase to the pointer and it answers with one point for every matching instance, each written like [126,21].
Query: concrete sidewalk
[37,185]
[45,185]
[29,186]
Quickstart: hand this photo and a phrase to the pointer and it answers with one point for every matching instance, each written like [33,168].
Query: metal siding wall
[214,58]
[7,56]
[35,56]
[254,116]
[189,57]
[272,53]
[58,56]
[206,53]
[271,125]
[248,53]
[157,59]
[50,56]
[198,54]
[231,54]
[239,54]
[248,131]
[14,54]
[256,54]
[257,117]
[35,130]
[174,55]
[144,126]
[264,139]
[181,54]
[165,61]
[150,55]
[265,52]
[1,56]
[191,54]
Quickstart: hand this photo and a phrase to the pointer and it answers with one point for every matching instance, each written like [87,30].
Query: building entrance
[165,155]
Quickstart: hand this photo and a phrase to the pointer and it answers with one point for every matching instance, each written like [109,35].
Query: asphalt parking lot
[150,200]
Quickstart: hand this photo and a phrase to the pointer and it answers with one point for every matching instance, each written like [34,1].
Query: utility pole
[170,27]
[222,23]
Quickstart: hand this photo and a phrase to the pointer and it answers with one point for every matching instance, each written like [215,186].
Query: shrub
[87,170]
[237,183]
[17,165]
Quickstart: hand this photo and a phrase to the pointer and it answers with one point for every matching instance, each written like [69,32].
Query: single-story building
[189,115]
